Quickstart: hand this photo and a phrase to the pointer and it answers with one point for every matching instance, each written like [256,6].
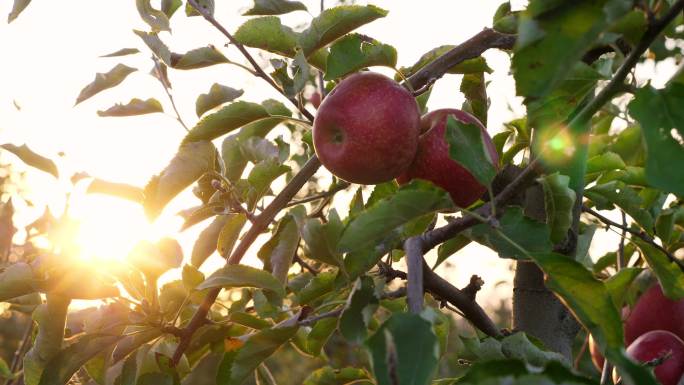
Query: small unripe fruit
[315,99]
[663,346]
[366,130]
[433,163]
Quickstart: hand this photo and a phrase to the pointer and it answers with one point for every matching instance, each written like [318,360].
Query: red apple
[654,311]
[660,344]
[315,99]
[366,130]
[433,163]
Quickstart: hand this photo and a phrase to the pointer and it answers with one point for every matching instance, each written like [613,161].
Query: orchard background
[593,86]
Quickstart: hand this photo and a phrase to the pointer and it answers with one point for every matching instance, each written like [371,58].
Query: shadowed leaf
[17,7]
[104,81]
[198,58]
[154,43]
[354,52]
[122,52]
[243,276]
[155,18]
[217,95]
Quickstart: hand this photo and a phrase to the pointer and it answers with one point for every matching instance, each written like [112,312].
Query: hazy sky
[51,52]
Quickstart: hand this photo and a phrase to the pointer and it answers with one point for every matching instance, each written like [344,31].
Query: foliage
[588,151]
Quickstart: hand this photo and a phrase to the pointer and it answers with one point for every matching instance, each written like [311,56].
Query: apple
[315,99]
[654,311]
[659,344]
[366,130]
[433,163]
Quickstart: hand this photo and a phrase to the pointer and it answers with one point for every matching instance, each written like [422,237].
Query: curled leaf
[134,107]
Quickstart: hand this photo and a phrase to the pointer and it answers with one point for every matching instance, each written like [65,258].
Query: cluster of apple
[654,333]
[368,130]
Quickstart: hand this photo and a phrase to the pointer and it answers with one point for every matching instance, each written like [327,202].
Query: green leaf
[207,241]
[605,162]
[198,58]
[104,81]
[153,17]
[669,275]
[320,285]
[355,52]
[69,360]
[623,196]
[334,23]
[450,247]
[279,251]
[192,277]
[155,378]
[234,162]
[592,304]
[239,364]
[134,107]
[384,218]
[618,284]
[404,346]
[51,319]
[207,5]
[169,7]
[474,89]
[329,376]
[229,234]
[547,50]
[559,200]
[662,121]
[243,276]
[217,95]
[519,346]
[32,159]
[17,7]
[359,310]
[292,85]
[225,120]
[261,177]
[467,147]
[5,371]
[154,43]
[248,320]
[136,337]
[16,280]
[192,160]
[274,7]
[319,335]
[531,235]
[476,65]
[122,52]
[321,239]
[120,190]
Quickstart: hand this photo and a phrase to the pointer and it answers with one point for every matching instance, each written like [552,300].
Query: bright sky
[51,52]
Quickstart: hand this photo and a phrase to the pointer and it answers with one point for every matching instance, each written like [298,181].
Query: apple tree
[594,138]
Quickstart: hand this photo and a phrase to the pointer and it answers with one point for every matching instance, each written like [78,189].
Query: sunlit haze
[52,51]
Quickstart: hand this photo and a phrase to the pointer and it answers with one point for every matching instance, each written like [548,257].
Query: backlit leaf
[354,52]
[134,107]
[217,95]
[225,120]
[243,276]
[32,159]
[358,311]
[467,147]
[104,81]
[198,58]
[274,7]
[154,43]
[122,52]
[153,17]
[207,242]
[559,200]
[17,7]
[121,190]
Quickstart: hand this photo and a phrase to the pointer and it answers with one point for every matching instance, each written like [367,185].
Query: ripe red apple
[366,130]
[659,344]
[654,311]
[433,163]
[315,99]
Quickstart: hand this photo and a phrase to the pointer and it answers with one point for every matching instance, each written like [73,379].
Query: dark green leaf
[662,121]
[618,284]
[122,52]
[32,159]
[17,7]
[234,162]
[274,7]
[360,307]
[623,196]
[217,95]
[406,348]
[605,162]
[105,80]
[121,190]
[5,371]
[134,107]
[225,120]
[169,7]
[64,364]
[334,23]
[531,235]
[450,247]
[207,242]
[243,276]
[261,177]
[192,160]
[279,251]
[321,239]
[229,234]
[198,58]
[474,89]
[153,17]
[669,275]
[559,200]
[467,147]
[319,335]
[376,223]
[248,320]
[319,286]
[354,52]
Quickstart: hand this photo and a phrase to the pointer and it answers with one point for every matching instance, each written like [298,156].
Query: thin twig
[313,319]
[305,265]
[621,263]
[161,78]
[334,190]
[637,233]
[257,68]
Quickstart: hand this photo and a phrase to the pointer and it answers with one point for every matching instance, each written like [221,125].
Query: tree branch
[471,48]
[637,233]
